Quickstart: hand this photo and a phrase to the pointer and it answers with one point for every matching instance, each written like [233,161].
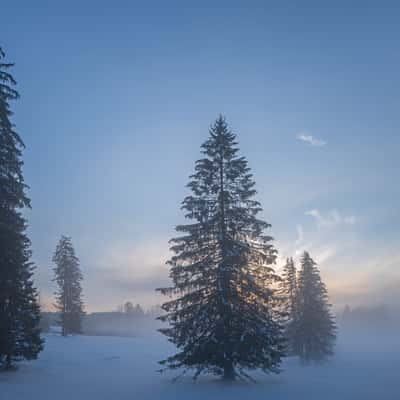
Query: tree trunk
[7,366]
[229,371]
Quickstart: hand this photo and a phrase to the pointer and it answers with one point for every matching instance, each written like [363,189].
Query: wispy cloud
[331,218]
[311,140]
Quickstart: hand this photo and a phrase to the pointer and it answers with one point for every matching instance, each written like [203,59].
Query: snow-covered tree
[314,329]
[288,290]
[288,286]
[68,277]
[19,308]
[222,314]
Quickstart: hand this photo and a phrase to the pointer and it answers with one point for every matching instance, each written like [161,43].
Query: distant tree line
[135,321]
[365,317]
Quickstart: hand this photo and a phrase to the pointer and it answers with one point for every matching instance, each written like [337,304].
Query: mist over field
[365,366]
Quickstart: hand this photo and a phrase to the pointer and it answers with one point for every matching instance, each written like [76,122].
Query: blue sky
[116,98]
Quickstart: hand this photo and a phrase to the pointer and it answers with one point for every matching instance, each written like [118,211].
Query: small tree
[314,329]
[68,277]
[138,311]
[128,308]
[19,307]
[222,316]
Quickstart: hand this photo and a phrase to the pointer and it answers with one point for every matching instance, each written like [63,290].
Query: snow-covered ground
[97,368]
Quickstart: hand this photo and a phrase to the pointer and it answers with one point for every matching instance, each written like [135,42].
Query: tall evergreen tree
[19,308]
[222,314]
[288,286]
[314,329]
[69,295]
[288,291]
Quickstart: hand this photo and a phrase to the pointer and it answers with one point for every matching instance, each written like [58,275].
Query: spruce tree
[19,308]
[314,329]
[68,277]
[288,291]
[288,286]
[222,314]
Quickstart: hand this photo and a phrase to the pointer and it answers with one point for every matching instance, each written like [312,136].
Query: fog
[365,366]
